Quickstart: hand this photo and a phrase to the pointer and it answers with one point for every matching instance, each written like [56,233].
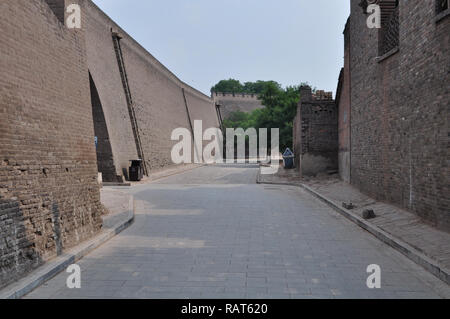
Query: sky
[205,41]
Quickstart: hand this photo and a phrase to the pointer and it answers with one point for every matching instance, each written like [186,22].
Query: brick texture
[49,195]
[400,112]
[389,33]
[315,133]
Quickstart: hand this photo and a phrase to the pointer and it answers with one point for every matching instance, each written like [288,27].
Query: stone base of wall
[312,165]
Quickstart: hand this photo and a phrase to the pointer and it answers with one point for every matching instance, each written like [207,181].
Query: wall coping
[219,95]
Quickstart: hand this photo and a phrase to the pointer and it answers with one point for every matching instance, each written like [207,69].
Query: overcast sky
[204,41]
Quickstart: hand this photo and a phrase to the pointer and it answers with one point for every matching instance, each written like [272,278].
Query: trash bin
[288,159]
[136,171]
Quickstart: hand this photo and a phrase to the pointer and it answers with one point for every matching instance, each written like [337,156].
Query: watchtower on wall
[316,132]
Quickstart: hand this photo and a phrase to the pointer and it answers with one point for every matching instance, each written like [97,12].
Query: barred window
[441,6]
[389,32]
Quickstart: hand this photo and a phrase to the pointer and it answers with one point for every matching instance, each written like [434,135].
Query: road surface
[213,233]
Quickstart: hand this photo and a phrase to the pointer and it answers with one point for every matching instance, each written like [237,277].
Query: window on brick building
[390,26]
[441,6]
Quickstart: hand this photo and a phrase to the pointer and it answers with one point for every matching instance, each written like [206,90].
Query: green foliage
[238,119]
[235,86]
[279,112]
[228,86]
[258,87]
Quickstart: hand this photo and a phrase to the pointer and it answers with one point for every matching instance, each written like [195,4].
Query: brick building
[315,132]
[393,98]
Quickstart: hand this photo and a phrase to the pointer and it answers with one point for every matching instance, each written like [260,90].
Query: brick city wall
[157,96]
[315,133]
[103,66]
[49,195]
[399,112]
[236,102]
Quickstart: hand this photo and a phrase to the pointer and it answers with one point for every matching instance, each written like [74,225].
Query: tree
[279,112]
[235,86]
[259,86]
[228,86]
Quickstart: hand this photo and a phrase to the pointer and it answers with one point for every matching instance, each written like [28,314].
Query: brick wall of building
[400,112]
[49,195]
[315,133]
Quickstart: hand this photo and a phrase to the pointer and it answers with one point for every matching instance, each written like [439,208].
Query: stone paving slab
[166,172]
[423,243]
[197,236]
[120,207]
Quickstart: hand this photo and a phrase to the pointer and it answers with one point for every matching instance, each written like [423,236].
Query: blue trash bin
[288,159]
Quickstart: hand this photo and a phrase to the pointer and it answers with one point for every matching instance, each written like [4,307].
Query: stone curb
[55,266]
[412,253]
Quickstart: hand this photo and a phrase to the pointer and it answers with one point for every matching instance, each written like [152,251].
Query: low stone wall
[399,110]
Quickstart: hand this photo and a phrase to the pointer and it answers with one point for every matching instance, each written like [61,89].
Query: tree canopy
[279,112]
[235,86]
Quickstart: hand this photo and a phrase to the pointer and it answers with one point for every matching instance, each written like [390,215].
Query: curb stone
[412,253]
[55,266]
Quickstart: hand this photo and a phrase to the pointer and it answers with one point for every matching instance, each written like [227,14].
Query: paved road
[213,233]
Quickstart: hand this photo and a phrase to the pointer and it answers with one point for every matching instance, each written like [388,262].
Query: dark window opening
[389,33]
[441,6]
